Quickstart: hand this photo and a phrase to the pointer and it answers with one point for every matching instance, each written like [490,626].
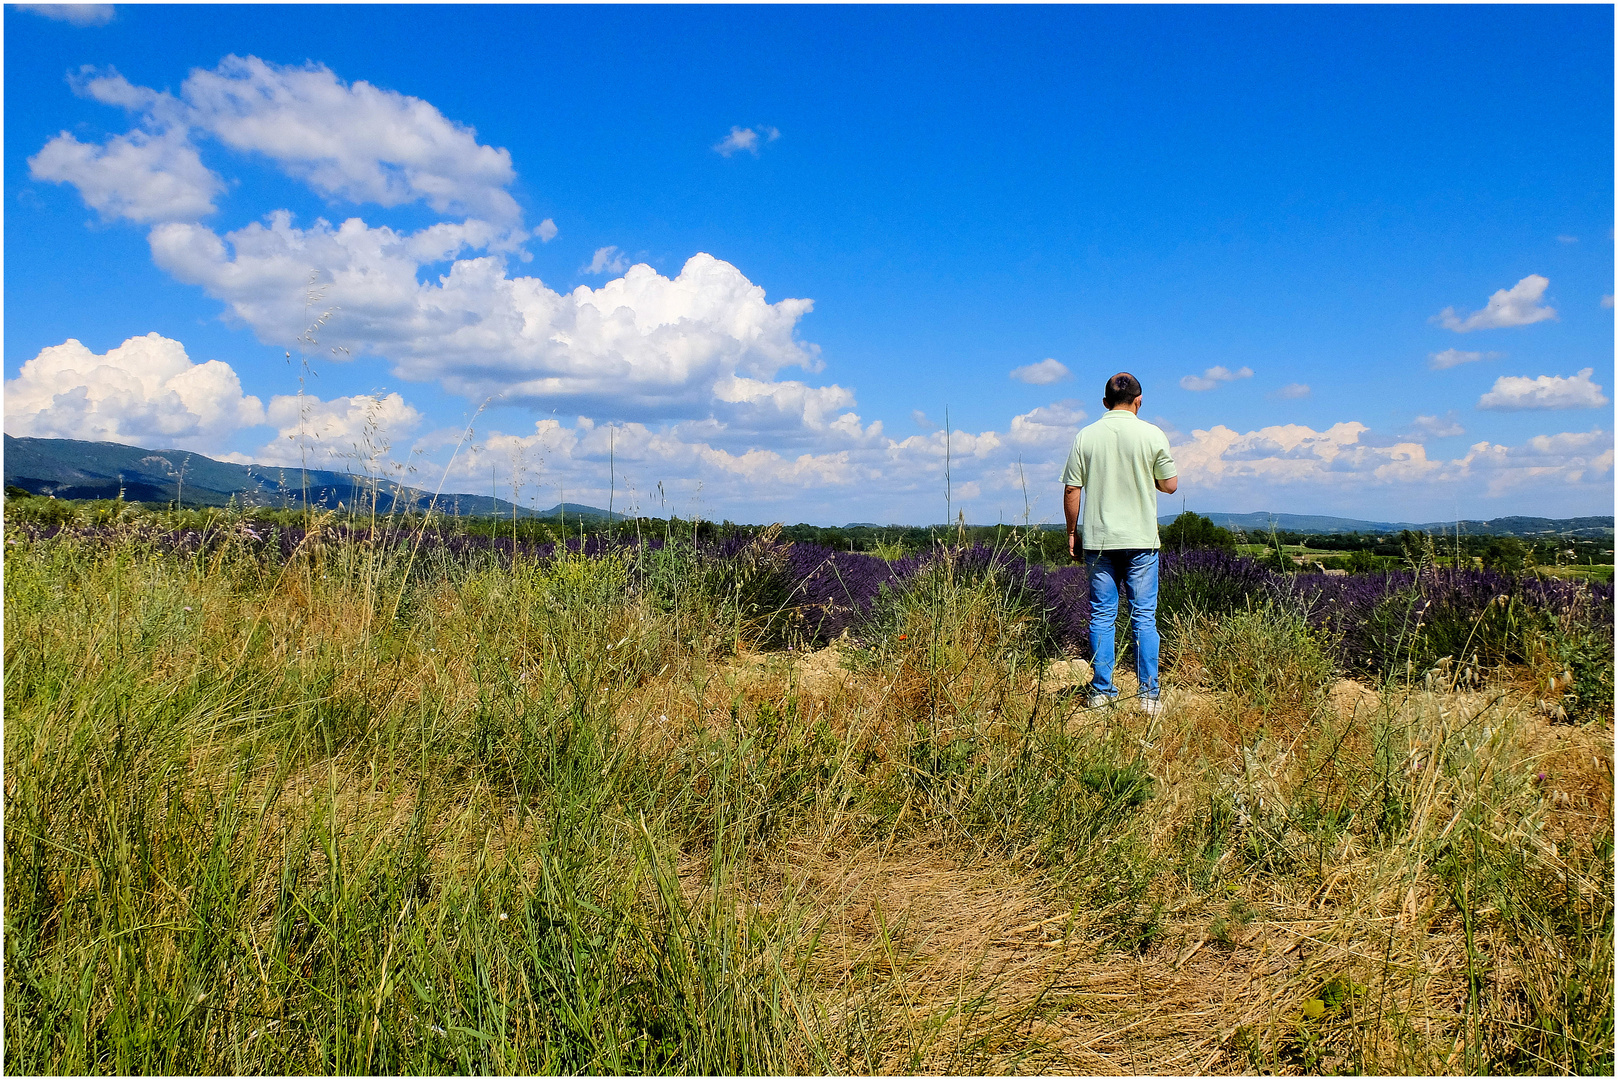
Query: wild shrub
[1586,660]
[1266,658]
[958,631]
[41,510]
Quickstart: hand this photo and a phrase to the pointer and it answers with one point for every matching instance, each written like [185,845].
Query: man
[1117,465]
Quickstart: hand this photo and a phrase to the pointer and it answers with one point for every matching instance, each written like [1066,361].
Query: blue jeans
[1135,569]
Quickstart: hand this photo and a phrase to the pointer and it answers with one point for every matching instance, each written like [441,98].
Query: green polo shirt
[1117,460]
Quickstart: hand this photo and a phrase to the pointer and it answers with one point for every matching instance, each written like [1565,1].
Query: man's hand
[1070,510]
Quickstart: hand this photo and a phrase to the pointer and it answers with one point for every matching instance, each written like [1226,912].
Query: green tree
[1192,530]
[1362,562]
[1506,553]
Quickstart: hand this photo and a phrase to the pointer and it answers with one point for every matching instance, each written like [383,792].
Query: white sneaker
[1093,700]
[1152,706]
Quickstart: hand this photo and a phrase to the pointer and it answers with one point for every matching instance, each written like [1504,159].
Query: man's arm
[1164,463]
[1070,507]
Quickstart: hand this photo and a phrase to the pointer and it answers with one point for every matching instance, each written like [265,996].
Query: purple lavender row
[813,594]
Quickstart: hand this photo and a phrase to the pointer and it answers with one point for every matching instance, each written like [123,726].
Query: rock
[1067,673]
[1349,697]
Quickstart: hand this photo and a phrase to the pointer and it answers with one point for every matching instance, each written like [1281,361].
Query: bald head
[1122,389]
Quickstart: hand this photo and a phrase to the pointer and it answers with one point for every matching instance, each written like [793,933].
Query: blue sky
[1360,258]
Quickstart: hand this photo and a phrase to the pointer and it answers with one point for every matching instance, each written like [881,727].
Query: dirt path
[945,966]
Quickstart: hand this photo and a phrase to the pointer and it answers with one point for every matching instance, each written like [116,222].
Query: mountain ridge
[1319,524]
[77,469]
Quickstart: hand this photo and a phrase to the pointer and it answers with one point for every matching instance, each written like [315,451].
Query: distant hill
[73,469]
[1594,527]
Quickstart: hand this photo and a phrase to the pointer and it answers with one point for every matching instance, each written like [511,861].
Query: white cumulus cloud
[592,462]
[641,345]
[701,467]
[1543,463]
[1516,306]
[1344,465]
[607,260]
[747,139]
[1437,427]
[1044,373]
[145,392]
[360,430]
[141,176]
[1440,361]
[1292,392]
[1513,392]
[351,141]
[1049,425]
[77,14]
[1213,376]
[438,303]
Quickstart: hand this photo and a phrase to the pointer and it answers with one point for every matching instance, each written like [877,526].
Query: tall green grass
[276,840]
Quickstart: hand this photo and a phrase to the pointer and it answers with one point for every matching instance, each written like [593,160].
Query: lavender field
[806,596]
